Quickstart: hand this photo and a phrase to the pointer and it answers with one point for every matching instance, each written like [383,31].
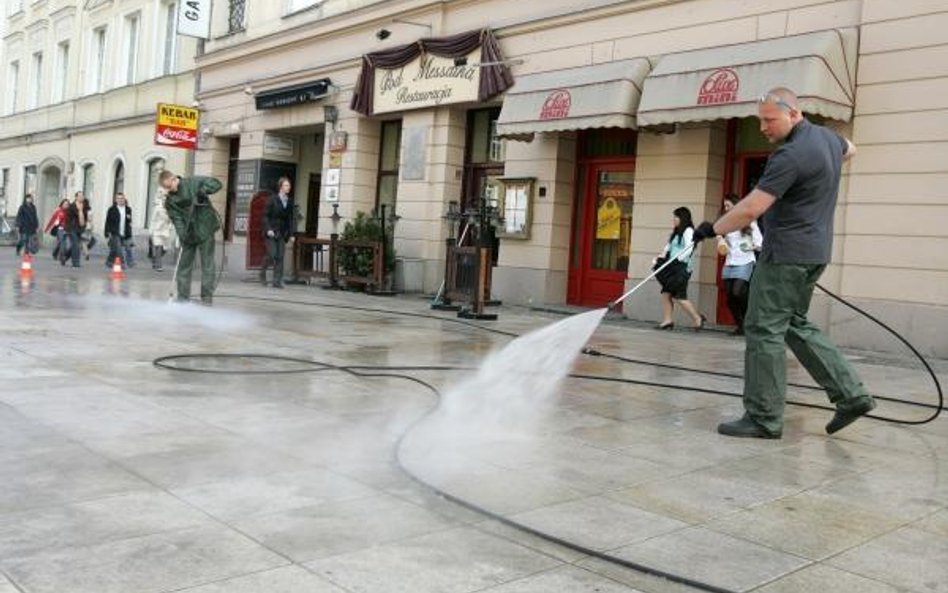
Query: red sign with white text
[719,87]
[557,105]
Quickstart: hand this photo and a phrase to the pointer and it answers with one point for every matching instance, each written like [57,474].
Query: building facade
[81,82]
[618,113]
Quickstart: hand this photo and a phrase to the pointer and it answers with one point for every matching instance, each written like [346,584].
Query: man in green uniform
[196,222]
[796,195]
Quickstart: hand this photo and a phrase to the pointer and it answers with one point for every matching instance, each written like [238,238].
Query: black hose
[397,372]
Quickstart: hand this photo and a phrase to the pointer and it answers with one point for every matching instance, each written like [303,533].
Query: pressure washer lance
[173,290]
[439,296]
[618,301]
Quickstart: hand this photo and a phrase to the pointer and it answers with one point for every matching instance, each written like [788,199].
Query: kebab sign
[176,126]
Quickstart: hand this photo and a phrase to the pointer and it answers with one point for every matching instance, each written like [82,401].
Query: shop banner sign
[428,81]
[194,18]
[176,126]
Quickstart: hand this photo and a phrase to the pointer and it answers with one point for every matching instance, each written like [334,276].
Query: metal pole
[619,300]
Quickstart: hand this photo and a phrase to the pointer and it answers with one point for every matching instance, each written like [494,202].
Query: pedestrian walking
[77,218]
[797,196]
[56,227]
[27,223]
[279,226]
[118,232]
[196,222]
[162,232]
[740,248]
[674,279]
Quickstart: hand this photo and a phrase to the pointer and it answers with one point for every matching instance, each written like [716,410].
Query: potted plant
[358,262]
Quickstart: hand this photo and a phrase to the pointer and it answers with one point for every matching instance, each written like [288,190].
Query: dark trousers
[120,247]
[69,246]
[27,240]
[208,269]
[779,302]
[276,250]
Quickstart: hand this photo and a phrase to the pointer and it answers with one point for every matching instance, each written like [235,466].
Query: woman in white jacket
[163,238]
[740,247]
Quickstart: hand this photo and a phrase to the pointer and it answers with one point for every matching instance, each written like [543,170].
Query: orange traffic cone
[117,272]
[26,266]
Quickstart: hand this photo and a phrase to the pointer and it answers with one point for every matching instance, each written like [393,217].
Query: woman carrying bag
[674,279]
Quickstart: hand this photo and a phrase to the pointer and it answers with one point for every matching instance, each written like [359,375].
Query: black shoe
[745,427]
[739,331]
[207,301]
[843,418]
[666,326]
[280,285]
[701,323]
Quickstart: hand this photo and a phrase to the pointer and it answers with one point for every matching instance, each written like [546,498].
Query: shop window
[608,143]
[235,15]
[118,180]
[88,180]
[155,167]
[389,157]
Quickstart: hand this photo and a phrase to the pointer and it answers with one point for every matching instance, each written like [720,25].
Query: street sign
[194,18]
[176,126]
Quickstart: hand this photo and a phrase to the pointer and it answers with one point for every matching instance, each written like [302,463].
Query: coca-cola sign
[175,137]
[176,126]
[557,105]
[719,87]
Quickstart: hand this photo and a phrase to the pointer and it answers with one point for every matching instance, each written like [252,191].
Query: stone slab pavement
[118,476]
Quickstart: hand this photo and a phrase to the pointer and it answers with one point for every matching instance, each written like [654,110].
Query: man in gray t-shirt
[797,198]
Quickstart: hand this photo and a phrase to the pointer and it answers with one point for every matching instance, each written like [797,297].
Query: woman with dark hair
[740,247]
[56,226]
[675,283]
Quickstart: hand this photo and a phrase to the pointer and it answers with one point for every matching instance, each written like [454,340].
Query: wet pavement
[119,476]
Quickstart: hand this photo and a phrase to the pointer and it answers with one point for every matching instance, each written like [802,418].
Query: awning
[600,96]
[725,82]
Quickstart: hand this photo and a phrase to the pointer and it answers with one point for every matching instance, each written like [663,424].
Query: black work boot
[843,418]
[745,427]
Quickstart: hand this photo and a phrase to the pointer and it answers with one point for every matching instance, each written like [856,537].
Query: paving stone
[453,561]
[907,558]
[713,558]
[149,564]
[821,577]
[566,578]
[289,579]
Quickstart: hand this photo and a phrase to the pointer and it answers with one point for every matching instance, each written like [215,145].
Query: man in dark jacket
[118,231]
[27,222]
[196,222]
[279,226]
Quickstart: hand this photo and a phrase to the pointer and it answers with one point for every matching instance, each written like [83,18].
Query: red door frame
[578,292]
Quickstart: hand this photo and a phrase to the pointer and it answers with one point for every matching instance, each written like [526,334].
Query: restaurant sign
[176,126]
[719,87]
[428,81]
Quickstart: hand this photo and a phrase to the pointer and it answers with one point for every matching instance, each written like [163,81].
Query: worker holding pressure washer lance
[195,222]
[797,198]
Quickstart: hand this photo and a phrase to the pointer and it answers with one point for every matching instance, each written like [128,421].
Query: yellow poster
[609,220]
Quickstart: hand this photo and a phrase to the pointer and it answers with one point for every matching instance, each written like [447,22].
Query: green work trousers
[779,301]
[208,269]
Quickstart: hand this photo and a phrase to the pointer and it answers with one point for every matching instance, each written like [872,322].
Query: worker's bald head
[778,110]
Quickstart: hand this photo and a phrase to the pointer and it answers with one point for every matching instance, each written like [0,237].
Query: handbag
[674,276]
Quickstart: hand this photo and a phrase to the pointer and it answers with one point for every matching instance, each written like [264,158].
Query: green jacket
[194,222]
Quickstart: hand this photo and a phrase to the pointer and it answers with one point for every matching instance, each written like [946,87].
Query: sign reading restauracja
[428,81]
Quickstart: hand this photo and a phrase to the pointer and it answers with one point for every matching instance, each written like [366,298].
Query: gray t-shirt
[803,174]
